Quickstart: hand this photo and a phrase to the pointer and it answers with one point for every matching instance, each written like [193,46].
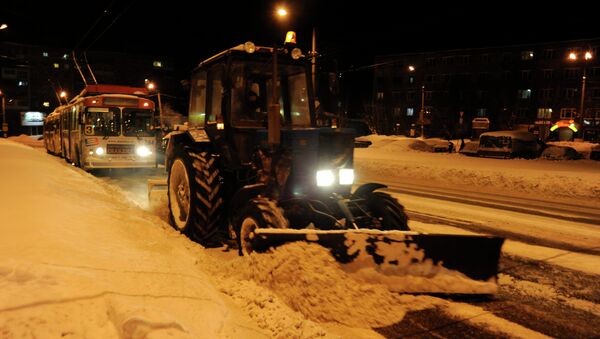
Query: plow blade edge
[447,259]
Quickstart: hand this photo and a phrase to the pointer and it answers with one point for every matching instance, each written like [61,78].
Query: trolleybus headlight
[325,178]
[99,151]
[346,176]
[143,151]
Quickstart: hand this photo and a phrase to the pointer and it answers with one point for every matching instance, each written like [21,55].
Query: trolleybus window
[104,121]
[137,122]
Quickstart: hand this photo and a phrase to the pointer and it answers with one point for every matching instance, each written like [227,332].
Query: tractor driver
[252,103]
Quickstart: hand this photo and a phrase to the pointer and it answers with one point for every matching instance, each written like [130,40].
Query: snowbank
[393,158]
[78,260]
[29,140]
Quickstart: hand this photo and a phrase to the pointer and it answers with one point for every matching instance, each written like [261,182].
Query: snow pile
[311,282]
[584,148]
[29,140]
[560,153]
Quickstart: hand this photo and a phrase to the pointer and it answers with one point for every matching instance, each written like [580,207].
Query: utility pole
[422,112]
[583,78]
[4,124]
[314,57]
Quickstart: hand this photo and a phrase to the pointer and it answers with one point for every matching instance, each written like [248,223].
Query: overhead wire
[104,13]
[111,23]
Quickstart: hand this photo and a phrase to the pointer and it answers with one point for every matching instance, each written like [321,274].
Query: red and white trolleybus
[105,126]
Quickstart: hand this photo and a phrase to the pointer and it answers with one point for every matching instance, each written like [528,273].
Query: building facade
[535,87]
[31,77]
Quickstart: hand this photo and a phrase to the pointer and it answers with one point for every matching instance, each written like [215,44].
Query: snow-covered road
[81,256]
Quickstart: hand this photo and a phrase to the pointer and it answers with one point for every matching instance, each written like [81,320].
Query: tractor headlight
[143,151]
[346,176]
[99,151]
[325,178]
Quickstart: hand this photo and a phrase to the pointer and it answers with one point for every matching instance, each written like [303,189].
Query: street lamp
[587,56]
[3,26]
[63,95]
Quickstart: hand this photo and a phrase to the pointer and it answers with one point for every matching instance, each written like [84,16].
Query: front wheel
[195,197]
[387,210]
[258,213]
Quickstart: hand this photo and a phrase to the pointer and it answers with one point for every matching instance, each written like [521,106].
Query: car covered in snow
[554,152]
[509,144]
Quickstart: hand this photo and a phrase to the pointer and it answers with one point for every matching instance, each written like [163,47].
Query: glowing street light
[3,26]
[282,12]
[63,95]
[586,57]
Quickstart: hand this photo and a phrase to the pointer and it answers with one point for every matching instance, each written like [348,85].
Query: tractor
[254,168]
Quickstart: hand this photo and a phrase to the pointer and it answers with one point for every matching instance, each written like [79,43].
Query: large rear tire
[195,197]
[258,213]
[388,211]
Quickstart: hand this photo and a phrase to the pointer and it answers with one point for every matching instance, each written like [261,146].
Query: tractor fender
[245,194]
[176,141]
[364,189]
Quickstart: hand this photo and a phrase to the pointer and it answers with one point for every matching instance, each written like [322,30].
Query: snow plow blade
[406,261]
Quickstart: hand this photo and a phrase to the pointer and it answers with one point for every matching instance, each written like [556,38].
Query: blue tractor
[253,167]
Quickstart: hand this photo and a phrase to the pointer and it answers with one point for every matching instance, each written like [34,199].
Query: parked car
[509,144]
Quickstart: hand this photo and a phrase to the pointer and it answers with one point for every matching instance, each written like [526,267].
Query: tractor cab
[236,87]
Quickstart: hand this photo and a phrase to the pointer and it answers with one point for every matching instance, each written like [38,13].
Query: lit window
[65,56]
[46,104]
[22,83]
[527,55]
[524,93]
[45,54]
[56,65]
[410,111]
[157,64]
[482,112]
[379,95]
[544,113]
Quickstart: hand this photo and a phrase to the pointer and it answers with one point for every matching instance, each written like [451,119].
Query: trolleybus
[105,126]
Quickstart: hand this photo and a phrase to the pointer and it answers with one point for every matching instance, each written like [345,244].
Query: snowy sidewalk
[78,260]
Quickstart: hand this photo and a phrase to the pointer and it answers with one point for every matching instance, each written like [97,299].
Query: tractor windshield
[252,93]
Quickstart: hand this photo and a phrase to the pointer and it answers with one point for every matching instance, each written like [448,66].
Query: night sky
[351,33]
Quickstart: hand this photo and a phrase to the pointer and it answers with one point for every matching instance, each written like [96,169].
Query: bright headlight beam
[325,178]
[346,176]
[143,151]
